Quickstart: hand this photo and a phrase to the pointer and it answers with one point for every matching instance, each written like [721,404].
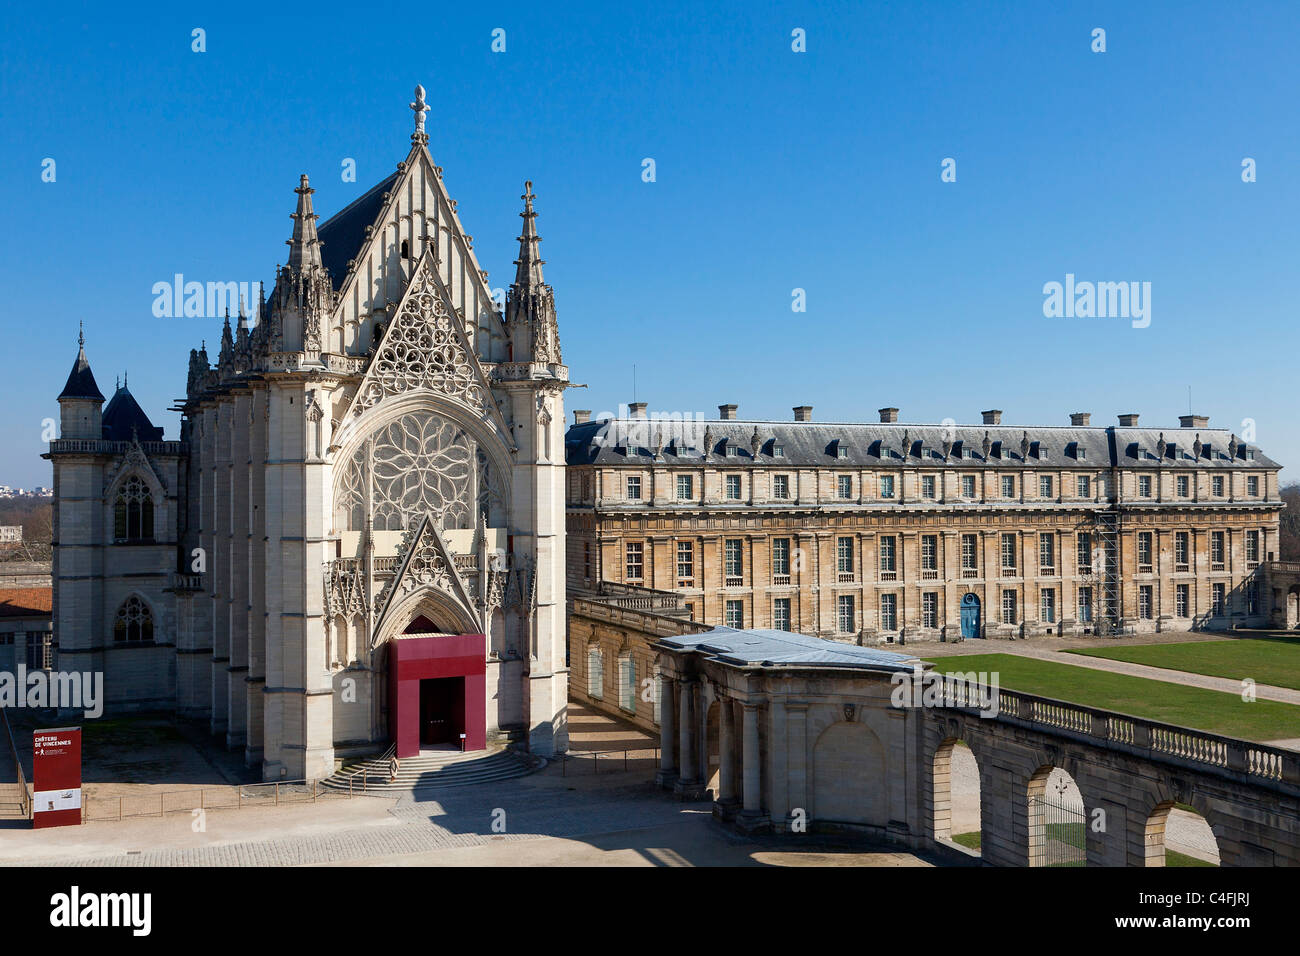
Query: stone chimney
[1194,421]
[727,413]
[637,409]
[1129,421]
[993,416]
[803,413]
[889,415]
[1080,419]
[581,416]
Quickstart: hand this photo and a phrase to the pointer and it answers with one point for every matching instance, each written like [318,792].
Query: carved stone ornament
[424,347]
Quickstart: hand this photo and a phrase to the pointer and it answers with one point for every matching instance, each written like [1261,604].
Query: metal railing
[621,759]
[24,798]
[233,797]
[364,772]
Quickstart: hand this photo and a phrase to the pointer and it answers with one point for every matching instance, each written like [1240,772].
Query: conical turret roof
[81,381]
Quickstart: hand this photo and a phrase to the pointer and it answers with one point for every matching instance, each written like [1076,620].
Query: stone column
[689,786]
[751,818]
[727,802]
[667,775]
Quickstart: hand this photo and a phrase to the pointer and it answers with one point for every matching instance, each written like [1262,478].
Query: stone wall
[618,634]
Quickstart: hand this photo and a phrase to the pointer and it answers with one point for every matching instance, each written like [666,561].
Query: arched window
[133,512]
[627,683]
[595,672]
[134,622]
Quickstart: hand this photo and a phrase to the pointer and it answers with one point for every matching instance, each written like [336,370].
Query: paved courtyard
[569,814]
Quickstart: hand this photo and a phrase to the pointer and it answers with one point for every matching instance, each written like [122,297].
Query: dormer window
[841,449]
[778,450]
[1250,454]
[732,449]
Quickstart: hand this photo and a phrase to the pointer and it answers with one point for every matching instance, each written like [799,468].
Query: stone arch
[954,815]
[1057,818]
[849,776]
[443,610]
[1191,830]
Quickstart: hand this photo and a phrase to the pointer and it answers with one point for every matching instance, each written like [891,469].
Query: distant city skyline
[781,178]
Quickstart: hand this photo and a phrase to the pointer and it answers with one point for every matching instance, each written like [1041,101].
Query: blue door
[970,616]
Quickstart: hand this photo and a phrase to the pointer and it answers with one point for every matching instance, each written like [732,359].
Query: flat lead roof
[759,646]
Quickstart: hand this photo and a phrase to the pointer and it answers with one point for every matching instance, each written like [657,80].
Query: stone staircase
[434,769]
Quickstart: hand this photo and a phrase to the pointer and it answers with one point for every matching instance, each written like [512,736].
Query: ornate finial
[81,334]
[420,108]
[117,383]
[125,378]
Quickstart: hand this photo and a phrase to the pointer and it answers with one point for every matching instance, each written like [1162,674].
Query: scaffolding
[1109,598]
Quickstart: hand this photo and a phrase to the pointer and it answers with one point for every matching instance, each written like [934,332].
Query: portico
[803,729]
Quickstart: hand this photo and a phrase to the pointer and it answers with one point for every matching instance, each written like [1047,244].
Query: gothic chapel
[359,537]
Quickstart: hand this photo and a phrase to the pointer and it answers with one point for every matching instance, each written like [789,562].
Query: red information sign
[56,777]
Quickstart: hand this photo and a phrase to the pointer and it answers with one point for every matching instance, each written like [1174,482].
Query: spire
[528,275]
[419,137]
[304,247]
[81,381]
[530,304]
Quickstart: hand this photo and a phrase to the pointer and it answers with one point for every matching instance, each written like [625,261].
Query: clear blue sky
[775,170]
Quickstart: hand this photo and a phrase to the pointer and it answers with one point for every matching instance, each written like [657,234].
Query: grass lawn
[1207,710]
[1266,661]
[1174,858]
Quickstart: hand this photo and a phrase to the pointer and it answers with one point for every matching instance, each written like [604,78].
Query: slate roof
[343,233]
[124,418]
[807,444]
[81,381]
[760,647]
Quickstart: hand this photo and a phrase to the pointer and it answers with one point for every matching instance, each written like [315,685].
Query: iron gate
[1058,832]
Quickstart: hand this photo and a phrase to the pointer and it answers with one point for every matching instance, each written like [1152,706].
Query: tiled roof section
[26,602]
[81,381]
[803,444]
[124,419]
[766,647]
[343,234]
